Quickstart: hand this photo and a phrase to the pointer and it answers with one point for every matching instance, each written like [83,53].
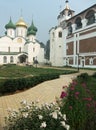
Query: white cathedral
[19,44]
[73,40]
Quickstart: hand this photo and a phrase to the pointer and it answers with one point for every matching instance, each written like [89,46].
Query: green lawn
[14,71]
[13,77]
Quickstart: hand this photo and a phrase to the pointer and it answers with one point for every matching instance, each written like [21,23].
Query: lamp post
[78,61]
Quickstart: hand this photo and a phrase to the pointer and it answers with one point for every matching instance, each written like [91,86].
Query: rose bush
[32,116]
[79,104]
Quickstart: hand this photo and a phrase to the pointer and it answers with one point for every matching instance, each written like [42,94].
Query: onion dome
[32,29]
[21,22]
[32,32]
[10,25]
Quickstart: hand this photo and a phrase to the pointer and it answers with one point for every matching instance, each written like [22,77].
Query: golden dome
[21,22]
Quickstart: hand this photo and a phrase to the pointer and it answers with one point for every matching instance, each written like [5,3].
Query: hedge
[12,85]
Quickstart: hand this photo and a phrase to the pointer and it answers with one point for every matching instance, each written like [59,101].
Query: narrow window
[33,49]
[11,59]
[4,59]
[60,34]
[19,49]
[8,49]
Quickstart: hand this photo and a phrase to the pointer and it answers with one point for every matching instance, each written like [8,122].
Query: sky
[43,12]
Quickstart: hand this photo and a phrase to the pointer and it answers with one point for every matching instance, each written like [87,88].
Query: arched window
[91,61]
[11,59]
[60,34]
[10,32]
[69,28]
[90,17]
[19,49]
[4,59]
[78,23]
[19,40]
[33,49]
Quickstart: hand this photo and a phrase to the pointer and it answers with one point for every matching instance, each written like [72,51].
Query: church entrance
[22,59]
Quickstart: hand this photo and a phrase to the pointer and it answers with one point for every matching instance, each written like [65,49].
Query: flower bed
[31,116]
[80,104]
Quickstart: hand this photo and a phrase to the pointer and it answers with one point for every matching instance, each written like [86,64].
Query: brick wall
[70,48]
[87,45]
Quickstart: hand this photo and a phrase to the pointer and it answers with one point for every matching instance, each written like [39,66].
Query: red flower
[63,94]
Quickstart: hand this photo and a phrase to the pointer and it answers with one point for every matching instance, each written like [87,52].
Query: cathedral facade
[73,40]
[19,44]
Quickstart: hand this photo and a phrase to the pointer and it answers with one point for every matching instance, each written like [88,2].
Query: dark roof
[10,25]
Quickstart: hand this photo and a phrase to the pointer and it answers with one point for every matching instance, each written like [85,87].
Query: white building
[19,45]
[73,40]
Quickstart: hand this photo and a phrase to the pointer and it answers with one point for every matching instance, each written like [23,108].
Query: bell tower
[65,14]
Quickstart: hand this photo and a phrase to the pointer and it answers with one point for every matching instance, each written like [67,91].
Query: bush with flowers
[32,116]
[80,104]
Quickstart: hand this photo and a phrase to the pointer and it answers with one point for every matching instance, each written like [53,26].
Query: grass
[14,71]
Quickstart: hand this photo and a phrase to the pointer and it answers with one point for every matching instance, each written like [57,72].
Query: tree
[47,50]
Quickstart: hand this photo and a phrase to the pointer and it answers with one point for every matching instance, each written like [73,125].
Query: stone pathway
[45,92]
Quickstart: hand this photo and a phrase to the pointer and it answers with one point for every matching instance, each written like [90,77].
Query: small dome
[31,32]
[21,22]
[10,25]
[32,27]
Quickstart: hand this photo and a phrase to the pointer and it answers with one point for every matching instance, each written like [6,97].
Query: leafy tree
[47,50]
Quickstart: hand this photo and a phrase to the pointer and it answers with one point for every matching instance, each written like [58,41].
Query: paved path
[45,92]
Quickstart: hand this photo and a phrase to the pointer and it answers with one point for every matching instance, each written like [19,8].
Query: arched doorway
[22,58]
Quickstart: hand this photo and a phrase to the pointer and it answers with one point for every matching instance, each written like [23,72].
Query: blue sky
[44,13]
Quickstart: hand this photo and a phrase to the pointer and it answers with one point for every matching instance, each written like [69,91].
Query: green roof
[10,25]
[32,29]
[32,32]
[11,53]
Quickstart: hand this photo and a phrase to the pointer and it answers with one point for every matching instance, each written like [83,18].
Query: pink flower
[72,88]
[74,82]
[88,105]
[77,93]
[88,99]
[63,94]
[84,85]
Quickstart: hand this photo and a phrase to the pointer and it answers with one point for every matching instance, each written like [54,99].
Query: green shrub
[12,85]
[80,105]
[31,116]
[94,75]
[83,77]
